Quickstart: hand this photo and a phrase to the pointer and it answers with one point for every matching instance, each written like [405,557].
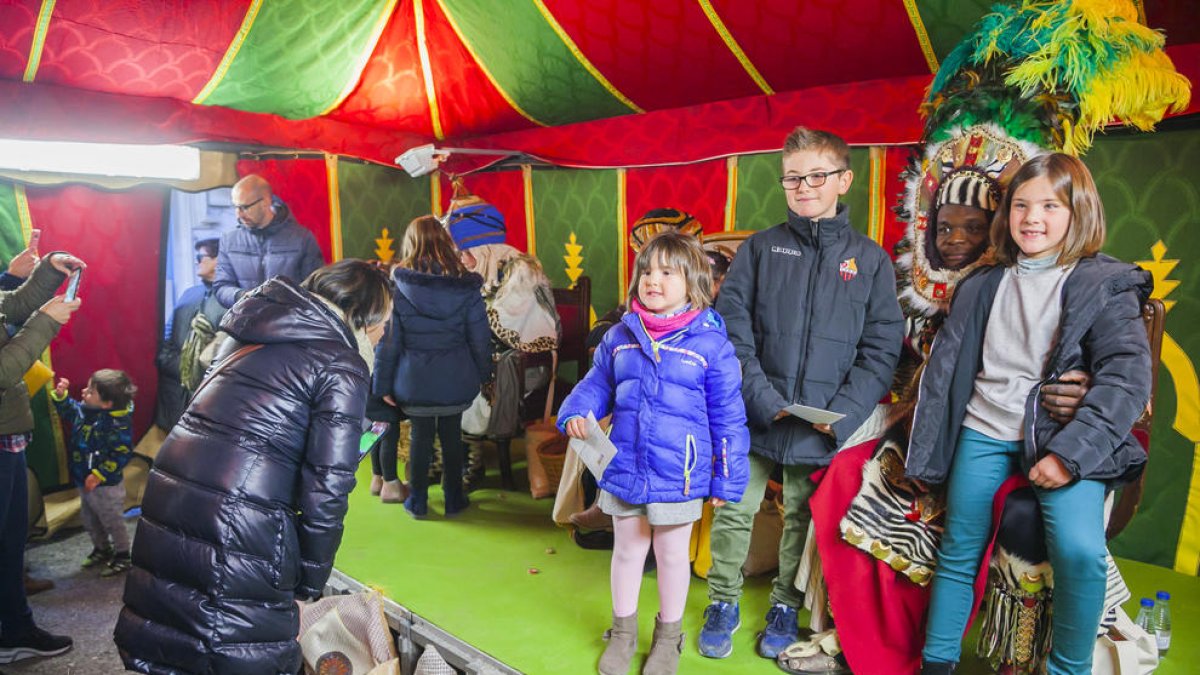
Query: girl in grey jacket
[1054,304]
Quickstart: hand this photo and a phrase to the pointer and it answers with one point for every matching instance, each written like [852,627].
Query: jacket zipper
[812,277]
[690,456]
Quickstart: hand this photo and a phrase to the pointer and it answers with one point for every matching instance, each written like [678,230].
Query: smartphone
[34,237]
[73,284]
[370,437]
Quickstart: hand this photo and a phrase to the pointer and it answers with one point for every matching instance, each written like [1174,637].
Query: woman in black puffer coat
[243,510]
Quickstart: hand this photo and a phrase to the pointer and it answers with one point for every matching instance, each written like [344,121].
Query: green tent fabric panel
[43,452]
[300,56]
[947,21]
[858,199]
[583,203]
[1150,185]
[530,62]
[373,198]
[12,241]
[761,202]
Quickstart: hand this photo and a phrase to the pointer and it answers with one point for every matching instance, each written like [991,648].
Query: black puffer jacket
[811,308]
[243,509]
[1101,332]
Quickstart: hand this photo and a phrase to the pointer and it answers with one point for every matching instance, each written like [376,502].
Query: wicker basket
[553,454]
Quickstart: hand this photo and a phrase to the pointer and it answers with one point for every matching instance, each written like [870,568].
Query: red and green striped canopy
[589,83]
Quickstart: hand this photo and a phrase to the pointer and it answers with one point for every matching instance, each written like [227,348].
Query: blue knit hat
[473,222]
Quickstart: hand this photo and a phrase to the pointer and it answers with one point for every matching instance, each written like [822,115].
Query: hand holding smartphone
[73,284]
[34,237]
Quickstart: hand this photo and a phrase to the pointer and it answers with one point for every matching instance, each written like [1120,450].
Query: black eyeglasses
[201,256]
[247,207]
[815,179]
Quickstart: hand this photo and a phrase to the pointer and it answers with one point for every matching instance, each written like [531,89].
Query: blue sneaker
[781,631]
[721,621]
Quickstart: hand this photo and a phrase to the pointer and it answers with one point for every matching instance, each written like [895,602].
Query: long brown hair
[428,248]
[1073,185]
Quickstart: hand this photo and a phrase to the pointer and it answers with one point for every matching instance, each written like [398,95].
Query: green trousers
[731,533]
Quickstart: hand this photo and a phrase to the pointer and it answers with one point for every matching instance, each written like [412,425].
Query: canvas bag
[1126,649]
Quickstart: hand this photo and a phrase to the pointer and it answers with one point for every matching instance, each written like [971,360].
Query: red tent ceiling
[595,83]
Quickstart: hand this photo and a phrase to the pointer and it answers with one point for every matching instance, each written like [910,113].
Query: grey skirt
[658,513]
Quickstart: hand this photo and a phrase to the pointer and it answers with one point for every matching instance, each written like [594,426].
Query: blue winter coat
[678,422]
[249,256]
[437,350]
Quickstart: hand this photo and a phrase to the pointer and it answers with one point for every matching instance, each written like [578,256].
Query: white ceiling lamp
[171,162]
[425,159]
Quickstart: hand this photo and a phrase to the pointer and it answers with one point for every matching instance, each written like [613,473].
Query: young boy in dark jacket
[811,309]
[100,446]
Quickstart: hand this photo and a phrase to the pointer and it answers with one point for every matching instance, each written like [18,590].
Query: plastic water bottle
[1145,615]
[1162,622]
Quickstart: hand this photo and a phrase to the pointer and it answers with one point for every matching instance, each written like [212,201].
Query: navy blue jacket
[250,256]
[1101,332]
[678,422]
[812,312]
[437,350]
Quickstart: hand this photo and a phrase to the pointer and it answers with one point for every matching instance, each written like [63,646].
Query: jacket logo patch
[848,269]
[787,251]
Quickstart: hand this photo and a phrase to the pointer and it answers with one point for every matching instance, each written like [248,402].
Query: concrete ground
[82,604]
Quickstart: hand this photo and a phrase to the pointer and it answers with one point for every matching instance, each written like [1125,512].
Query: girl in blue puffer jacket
[669,376]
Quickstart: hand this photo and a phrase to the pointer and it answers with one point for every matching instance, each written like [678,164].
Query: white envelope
[596,450]
[814,415]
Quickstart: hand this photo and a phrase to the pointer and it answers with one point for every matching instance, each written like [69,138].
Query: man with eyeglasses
[268,242]
[193,325]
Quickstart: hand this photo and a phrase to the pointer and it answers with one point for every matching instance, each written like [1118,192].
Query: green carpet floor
[473,577]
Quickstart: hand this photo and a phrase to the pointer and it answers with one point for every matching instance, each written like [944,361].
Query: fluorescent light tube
[173,162]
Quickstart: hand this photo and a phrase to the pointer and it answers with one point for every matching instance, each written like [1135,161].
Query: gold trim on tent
[914,16]
[734,47]
[39,41]
[435,114]
[231,52]
[487,73]
[878,194]
[583,60]
[335,207]
[368,50]
[530,226]
[731,184]
[435,193]
[622,238]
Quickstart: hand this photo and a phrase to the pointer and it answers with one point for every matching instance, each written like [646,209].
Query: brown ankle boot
[376,485]
[591,518]
[622,643]
[665,649]
[393,492]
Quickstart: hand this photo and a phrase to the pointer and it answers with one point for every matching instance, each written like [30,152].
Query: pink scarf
[658,326]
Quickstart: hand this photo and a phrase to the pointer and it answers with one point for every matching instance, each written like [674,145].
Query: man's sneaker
[120,563]
[34,643]
[721,621]
[98,556]
[781,631]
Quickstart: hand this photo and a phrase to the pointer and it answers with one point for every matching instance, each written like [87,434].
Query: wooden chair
[574,307]
[1154,318]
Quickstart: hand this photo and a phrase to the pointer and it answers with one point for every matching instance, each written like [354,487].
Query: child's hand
[91,483]
[59,309]
[824,428]
[717,502]
[1049,473]
[780,415]
[576,427]
[60,389]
